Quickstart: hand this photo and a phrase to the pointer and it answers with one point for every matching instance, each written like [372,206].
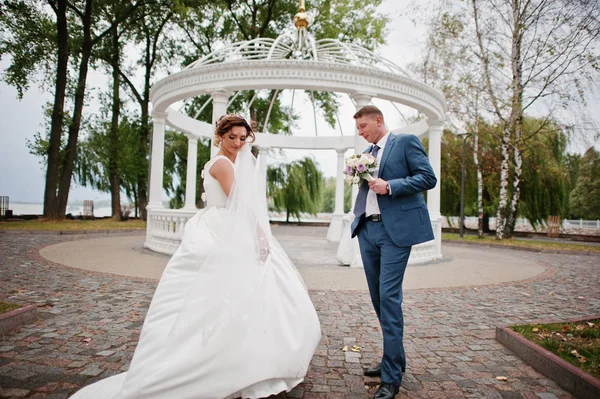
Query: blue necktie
[360,205]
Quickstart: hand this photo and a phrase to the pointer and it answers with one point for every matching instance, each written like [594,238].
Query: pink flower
[361,168]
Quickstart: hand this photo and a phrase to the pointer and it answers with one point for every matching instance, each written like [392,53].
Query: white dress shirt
[372,207]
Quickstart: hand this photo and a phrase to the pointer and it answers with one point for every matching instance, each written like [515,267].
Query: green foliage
[545,183]
[585,197]
[355,21]
[295,187]
[328,196]
[97,150]
[175,169]
[27,36]
[546,179]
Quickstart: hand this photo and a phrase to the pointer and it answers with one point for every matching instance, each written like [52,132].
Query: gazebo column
[336,226]
[220,98]
[348,250]
[263,157]
[190,180]
[434,195]
[157,161]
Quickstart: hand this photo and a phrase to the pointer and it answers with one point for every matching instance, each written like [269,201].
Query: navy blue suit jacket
[404,164]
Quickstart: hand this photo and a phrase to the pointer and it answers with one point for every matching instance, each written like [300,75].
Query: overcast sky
[22,176]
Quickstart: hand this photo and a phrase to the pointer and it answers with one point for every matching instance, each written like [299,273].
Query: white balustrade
[165,229]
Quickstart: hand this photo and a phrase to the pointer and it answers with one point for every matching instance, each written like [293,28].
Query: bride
[231,316]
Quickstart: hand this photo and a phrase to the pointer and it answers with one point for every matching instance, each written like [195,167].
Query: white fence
[589,227]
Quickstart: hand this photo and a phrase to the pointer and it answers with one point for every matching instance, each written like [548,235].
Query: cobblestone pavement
[88,326]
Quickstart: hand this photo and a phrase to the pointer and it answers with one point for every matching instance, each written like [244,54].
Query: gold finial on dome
[301,19]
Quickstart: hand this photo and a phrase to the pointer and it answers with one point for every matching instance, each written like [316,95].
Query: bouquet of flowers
[359,166]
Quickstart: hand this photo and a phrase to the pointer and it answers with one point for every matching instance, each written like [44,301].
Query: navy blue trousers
[385,263]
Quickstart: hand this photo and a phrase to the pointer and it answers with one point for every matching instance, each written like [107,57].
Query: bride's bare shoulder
[220,167]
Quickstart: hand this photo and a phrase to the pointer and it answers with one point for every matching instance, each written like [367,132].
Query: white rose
[356,179]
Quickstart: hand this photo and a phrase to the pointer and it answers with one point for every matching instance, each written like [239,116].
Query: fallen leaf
[580,327]
[501,378]
[580,297]
[345,348]
[535,329]
[581,359]
[526,294]
[590,324]
[356,348]
[551,293]
[475,288]
[566,328]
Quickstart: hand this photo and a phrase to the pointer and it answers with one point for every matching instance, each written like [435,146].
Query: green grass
[522,243]
[577,343]
[7,307]
[72,225]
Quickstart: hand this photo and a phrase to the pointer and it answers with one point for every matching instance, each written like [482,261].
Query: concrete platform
[314,257]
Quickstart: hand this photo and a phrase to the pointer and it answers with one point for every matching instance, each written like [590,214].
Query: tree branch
[131,86]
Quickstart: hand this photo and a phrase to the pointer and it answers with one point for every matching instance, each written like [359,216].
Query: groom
[391,217]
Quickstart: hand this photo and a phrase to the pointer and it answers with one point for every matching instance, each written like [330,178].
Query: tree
[98,156]
[295,187]
[159,48]
[529,51]
[523,56]
[545,183]
[71,36]
[175,172]
[328,196]
[585,197]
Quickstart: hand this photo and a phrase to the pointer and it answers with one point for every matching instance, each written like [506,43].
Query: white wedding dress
[222,323]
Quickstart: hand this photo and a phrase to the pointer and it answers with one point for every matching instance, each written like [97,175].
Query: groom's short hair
[369,110]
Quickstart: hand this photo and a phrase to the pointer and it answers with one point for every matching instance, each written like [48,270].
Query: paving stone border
[570,378]
[16,318]
[526,249]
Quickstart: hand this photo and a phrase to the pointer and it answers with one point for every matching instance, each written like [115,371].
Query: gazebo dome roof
[286,47]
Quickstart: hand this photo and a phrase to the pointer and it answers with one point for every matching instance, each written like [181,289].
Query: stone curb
[515,247]
[570,378]
[15,318]
[71,232]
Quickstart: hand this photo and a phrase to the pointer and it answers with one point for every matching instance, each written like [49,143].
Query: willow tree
[585,197]
[545,182]
[295,187]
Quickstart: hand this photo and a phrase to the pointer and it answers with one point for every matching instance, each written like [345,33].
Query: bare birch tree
[530,57]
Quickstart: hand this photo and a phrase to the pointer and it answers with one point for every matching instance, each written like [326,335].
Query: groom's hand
[379,186]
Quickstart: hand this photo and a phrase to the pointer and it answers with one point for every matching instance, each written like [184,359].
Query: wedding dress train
[222,323]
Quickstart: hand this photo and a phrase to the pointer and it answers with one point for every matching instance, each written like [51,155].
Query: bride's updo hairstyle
[228,121]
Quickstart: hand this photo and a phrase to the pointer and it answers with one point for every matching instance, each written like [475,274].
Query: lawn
[577,343]
[523,243]
[72,225]
[7,307]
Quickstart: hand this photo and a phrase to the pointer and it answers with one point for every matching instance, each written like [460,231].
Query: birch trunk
[516,115]
[479,183]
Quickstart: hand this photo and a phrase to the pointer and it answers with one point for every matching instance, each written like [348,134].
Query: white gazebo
[294,61]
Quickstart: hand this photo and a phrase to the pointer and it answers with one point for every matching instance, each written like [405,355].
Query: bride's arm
[222,170]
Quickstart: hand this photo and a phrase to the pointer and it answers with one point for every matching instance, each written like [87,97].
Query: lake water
[76,210]
[38,209]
